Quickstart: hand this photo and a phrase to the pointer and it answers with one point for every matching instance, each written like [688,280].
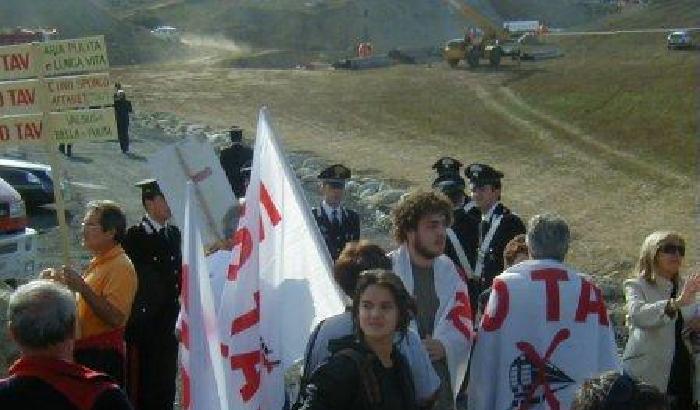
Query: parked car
[17,241]
[32,180]
[167,33]
[679,40]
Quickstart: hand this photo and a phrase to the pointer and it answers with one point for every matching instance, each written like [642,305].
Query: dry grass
[603,167]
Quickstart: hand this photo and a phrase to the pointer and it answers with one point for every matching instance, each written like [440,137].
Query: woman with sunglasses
[367,370]
[659,304]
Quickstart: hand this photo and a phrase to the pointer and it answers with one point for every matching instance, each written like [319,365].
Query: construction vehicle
[484,42]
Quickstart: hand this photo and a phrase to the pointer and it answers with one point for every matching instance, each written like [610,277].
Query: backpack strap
[369,381]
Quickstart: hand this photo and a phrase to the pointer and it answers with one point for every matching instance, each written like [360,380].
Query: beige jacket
[649,351]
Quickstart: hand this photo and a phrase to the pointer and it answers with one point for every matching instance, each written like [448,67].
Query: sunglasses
[671,249]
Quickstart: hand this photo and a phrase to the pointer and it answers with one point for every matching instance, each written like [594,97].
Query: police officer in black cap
[153,245]
[338,225]
[462,236]
[497,226]
[233,158]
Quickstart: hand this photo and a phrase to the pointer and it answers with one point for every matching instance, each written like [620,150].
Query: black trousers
[123,134]
[152,372]
[109,362]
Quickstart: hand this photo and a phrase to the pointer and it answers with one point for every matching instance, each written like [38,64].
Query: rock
[314,163]
[385,198]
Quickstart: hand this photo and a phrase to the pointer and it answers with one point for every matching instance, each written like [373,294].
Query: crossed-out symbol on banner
[541,363]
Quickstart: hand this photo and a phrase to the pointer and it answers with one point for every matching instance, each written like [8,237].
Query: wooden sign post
[43,106]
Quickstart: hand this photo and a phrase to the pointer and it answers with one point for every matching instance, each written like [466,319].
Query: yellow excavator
[486,41]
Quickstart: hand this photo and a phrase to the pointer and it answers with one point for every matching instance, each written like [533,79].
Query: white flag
[278,284]
[201,367]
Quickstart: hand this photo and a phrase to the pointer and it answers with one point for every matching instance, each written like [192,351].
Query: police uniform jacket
[337,237]
[466,228]
[232,159]
[157,258]
[510,226]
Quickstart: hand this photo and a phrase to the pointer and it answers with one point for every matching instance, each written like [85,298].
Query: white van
[167,33]
[17,241]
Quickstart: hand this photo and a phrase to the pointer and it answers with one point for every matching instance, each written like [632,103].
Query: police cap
[149,188]
[335,175]
[447,166]
[449,183]
[481,175]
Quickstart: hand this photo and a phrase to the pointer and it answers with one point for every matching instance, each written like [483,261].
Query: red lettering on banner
[587,306]
[29,130]
[243,239]
[249,319]
[551,278]
[185,286]
[269,206]
[248,364]
[14,62]
[185,334]
[21,96]
[4,133]
[186,392]
[461,315]
[491,323]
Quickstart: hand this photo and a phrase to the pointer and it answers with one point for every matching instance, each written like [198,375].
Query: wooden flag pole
[54,159]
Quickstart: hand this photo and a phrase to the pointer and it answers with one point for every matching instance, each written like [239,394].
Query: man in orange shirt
[105,291]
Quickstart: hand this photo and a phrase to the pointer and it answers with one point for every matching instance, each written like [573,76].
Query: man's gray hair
[548,237]
[41,314]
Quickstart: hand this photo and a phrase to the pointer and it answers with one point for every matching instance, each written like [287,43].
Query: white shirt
[154,224]
[329,211]
[487,216]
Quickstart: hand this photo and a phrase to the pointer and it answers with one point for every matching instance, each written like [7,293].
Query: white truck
[17,241]
[522,26]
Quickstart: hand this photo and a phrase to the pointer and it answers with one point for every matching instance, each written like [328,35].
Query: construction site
[584,105]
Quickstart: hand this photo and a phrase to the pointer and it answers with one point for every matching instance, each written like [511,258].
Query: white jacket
[650,347]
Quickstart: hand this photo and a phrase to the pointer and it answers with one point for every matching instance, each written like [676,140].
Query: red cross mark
[541,364]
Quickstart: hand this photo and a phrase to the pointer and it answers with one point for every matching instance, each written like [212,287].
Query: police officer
[497,226]
[154,248]
[338,224]
[462,236]
[233,158]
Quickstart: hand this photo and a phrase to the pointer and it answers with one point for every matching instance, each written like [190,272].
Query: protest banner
[26,107]
[22,129]
[71,56]
[545,330]
[278,284]
[18,61]
[201,366]
[83,125]
[216,203]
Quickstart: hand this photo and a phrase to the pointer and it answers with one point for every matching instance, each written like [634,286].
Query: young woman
[659,306]
[366,370]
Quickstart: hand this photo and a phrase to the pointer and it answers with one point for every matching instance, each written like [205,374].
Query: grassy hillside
[312,25]
[127,44]
[554,13]
[658,14]
[628,89]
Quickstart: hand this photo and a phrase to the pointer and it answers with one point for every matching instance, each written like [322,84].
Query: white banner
[194,160]
[201,368]
[544,331]
[278,283]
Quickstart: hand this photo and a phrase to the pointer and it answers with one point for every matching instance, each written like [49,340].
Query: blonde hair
[647,267]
